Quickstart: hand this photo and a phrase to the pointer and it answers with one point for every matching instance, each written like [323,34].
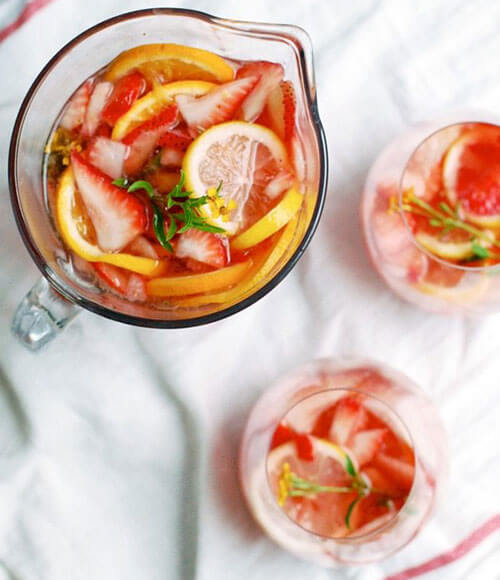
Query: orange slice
[156,100]
[70,220]
[164,63]
[197,283]
[263,266]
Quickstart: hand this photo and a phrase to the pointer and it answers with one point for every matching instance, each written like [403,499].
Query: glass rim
[363,537]
[95,307]
[442,261]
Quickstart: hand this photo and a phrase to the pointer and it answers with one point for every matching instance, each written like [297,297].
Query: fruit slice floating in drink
[173,174]
[434,228]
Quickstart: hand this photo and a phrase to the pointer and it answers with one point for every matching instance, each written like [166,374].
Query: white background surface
[118,446]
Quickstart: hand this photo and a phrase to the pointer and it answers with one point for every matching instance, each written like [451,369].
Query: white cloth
[118,446]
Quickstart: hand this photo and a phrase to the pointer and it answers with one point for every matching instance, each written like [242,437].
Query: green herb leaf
[349,466]
[349,512]
[172,227]
[121,182]
[480,251]
[435,222]
[159,228]
[446,208]
[141,184]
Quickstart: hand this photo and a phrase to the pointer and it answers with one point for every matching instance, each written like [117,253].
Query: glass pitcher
[56,298]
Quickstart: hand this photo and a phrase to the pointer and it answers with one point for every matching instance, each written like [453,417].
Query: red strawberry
[348,419]
[217,106]
[281,182]
[304,446]
[144,138]
[136,288]
[282,434]
[141,246]
[205,247]
[117,278]
[399,472]
[365,444]
[270,74]
[97,102]
[108,156]
[74,113]
[117,216]
[178,138]
[171,157]
[131,285]
[126,91]
[281,105]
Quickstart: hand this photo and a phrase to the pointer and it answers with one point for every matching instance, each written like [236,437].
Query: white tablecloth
[118,446]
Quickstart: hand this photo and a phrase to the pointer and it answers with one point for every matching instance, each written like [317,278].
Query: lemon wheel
[241,158]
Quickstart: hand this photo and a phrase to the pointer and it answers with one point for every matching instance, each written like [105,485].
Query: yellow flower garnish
[284,484]
[217,205]
[393,205]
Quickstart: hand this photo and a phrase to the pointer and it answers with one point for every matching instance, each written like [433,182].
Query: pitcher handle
[42,315]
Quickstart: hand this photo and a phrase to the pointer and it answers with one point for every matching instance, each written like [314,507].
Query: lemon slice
[240,157]
[464,293]
[273,221]
[163,63]
[447,250]
[197,283]
[154,101]
[68,227]
[263,266]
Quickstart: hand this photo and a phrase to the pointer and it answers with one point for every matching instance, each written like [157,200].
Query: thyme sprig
[291,485]
[181,211]
[449,219]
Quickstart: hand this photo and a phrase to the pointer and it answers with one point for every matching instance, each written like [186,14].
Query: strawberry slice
[136,288]
[97,101]
[115,277]
[178,138]
[126,91]
[129,284]
[281,182]
[117,216]
[281,105]
[74,113]
[348,418]
[305,447]
[141,246]
[108,156]
[282,434]
[270,75]
[399,472]
[365,444]
[144,138]
[217,106]
[171,157]
[205,247]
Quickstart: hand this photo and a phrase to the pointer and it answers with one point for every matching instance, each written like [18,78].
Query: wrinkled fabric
[118,446]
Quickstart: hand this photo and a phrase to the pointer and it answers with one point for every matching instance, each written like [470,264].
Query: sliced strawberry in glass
[217,106]
[125,92]
[74,114]
[144,139]
[97,102]
[117,216]
[108,156]
[269,75]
